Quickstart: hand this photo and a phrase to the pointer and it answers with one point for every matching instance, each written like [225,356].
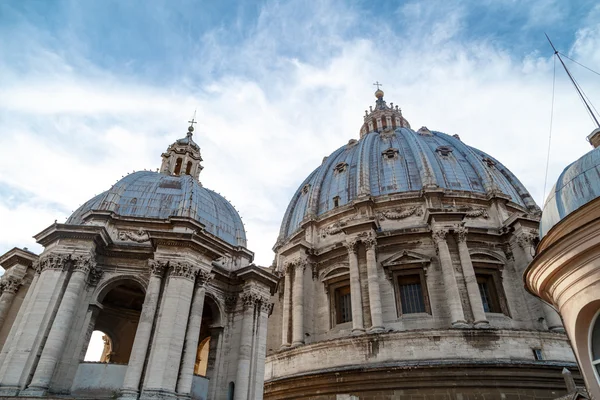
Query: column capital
[296,262]
[83,263]
[370,241]
[527,238]
[10,285]
[251,299]
[157,268]
[204,278]
[439,234]
[230,302]
[461,231]
[350,245]
[53,261]
[182,269]
[266,307]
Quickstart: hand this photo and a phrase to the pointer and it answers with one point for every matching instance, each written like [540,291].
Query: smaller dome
[578,185]
[147,194]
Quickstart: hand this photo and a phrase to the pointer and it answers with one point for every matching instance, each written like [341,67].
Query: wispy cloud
[98,90]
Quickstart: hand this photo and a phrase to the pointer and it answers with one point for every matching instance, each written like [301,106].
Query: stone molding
[461,232]
[10,285]
[439,234]
[158,268]
[182,270]
[204,278]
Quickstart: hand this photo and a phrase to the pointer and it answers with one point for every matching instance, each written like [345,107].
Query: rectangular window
[343,305]
[537,354]
[489,293]
[412,299]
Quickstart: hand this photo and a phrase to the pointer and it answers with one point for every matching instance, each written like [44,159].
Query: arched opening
[595,345]
[99,348]
[188,169]
[116,322]
[204,354]
[177,166]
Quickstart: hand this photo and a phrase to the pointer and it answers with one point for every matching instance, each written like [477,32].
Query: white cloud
[68,132]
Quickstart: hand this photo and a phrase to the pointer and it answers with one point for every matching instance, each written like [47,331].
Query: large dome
[400,160]
[146,194]
[576,186]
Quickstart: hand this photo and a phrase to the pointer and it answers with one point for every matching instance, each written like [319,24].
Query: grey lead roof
[146,194]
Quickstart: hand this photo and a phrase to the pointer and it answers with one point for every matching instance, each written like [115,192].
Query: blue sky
[93,90]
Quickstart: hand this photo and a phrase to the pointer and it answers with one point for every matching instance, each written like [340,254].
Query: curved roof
[578,184]
[147,194]
[395,161]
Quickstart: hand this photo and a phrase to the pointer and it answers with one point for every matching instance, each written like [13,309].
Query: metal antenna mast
[574,83]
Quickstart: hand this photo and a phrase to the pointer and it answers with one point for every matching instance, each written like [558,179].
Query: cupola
[183,156]
[382,117]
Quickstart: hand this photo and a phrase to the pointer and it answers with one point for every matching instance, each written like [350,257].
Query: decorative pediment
[408,258]
[487,257]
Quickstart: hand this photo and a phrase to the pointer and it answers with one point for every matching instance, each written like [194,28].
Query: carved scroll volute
[350,245]
[527,239]
[157,268]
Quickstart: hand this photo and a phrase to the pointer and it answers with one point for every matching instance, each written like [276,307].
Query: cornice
[54,232]
[17,256]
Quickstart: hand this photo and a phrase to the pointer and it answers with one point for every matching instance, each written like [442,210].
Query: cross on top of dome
[382,117]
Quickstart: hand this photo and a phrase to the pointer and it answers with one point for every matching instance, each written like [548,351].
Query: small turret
[183,157]
[382,116]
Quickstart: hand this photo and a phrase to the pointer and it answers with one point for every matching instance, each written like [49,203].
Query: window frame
[495,276]
[595,363]
[332,287]
[411,271]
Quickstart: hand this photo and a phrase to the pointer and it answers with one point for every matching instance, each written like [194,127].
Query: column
[355,295]
[298,320]
[188,362]
[162,370]
[452,294]
[9,287]
[139,350]
[287,305]
[42,299]
[57,338]
[261,351]
[374,291]
[525,241]
[242,376]
[479,318]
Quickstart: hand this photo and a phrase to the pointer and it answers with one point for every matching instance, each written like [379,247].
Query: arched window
[595,344]
[188,169]
[178,166]
[100,348]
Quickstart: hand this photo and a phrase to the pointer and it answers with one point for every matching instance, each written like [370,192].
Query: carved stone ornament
[476,213]
[350,245]
[54,261]
[401,213]
[95,276]
[527,238]
[139,236]
[333,229]
[296,262]
[439,234]
[369,240]
[251,299]
[230,302]
[204,278]
[266,307]
[83,264]
[182,270]
[461,231]
[157,268]
[10,285]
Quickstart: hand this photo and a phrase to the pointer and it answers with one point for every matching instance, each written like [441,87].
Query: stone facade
[157,288]
[434,281]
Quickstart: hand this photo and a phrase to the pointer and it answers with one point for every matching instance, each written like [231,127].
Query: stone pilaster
[287,305]
[525,240]
[167,346]
[298,305]
[265,310]
[61,326]
[457,315]
[131,382]
[184,384]
[8,287]
[479,318]
[243,378]
[355,292]
[374,290]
